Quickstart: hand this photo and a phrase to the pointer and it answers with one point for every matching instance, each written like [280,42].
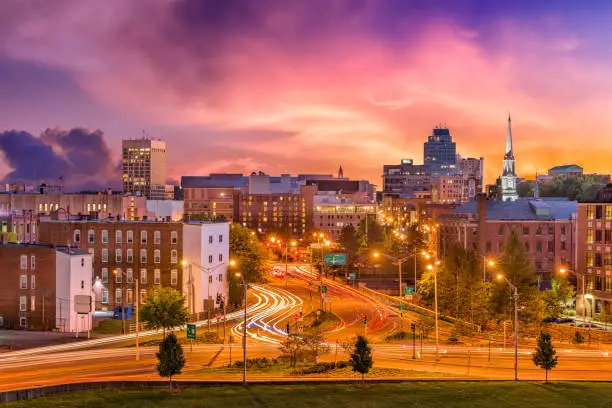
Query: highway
[271,307]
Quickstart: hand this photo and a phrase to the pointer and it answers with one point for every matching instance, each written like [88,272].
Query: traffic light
[365,319]
[287,328]
[218,298]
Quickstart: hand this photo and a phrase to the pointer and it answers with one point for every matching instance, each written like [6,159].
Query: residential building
[150,251]
[205,273]
[332,217]
[440,152]
[41,285]
[144,167]
[472,172]
[594,253]
[547,227]
[214,196]
[449,189]
[405,178]
[508,177]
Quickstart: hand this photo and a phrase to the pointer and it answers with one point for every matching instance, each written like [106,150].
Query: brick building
[546,226]
[39,285]
[150,251]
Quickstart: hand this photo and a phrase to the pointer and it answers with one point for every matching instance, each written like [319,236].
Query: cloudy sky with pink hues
[302,86]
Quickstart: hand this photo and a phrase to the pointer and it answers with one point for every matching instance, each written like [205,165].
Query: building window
[157,237]
[220,257]
[105,236]
[551,230]
[23,322]
[538,230]
[173,277]
[598,212]
[104,255]
[104,275]
[143,237]
[130,275]
[209,278]
[598,260]
[104,296]
[118,237]
[525,230]
[143,296]
[129,296]
[563,246]
[23,282]
[157,277]
[210,259]
[608,284]
[551,246]
[33,282]
[129,237]
[173,256]
[590,212]
[210,239]
[157,256]
[22,303]
[91,236]
[77,236]
[32,262]
[32,303]
[607,261]
[563,230]
[539,247]
[24,262]
[589,236]
[118,297]
[143,256]
[143,276]
[589,259]
[220,238]
[527,246]
[129,255]
[118,275]
[173,237]
[118,256]
[598,235]
[220,277]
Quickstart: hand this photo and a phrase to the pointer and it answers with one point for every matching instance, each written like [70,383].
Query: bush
[321,368]
[259,363]
[578,338]
[401,335]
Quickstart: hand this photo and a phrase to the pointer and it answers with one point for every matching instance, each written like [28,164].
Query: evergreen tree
[516,266]
[545,356]
[348,241]
[170,357]
[361,357]
[375,233]
[164,309]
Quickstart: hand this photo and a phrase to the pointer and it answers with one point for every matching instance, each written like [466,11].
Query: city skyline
[257,88]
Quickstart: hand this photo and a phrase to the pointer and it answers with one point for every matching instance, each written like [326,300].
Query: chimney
[481,205]
[144,217]
[186,218]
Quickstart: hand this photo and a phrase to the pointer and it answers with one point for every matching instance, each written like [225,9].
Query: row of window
[597,212]
[129,272]
[23,282]
[595,259]
[23,304]
[129,258]
[24,262]
[599,236]
[91,237]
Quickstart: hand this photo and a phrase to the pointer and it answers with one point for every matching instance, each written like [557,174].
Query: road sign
[401,306]
[295,317]
[218,316]
[82,304]
[322,288]
[352,276]
[191,331]
[335,259]
[408,290]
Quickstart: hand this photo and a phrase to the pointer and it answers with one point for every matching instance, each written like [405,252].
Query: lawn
[411,394]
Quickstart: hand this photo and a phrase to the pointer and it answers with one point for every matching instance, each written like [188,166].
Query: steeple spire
[340,172]
[509,152]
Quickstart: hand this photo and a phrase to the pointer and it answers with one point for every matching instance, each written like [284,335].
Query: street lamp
[244,327]
[137,308]
[516,322]
[486,262]
[431,268]
[563,271]
[399,262]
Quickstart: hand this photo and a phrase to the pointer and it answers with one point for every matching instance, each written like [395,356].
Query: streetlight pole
[124,275]
[516,323]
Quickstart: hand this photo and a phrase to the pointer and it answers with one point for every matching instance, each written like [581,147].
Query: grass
[110,326]
[411,394]
[321,319]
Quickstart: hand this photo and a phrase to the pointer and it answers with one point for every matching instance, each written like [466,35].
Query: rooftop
[523,209]
[71,251]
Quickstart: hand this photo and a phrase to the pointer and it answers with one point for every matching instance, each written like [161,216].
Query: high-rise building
[144,167]
[508,178]
[440,153]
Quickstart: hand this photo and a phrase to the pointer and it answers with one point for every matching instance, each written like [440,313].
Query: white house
[73,285]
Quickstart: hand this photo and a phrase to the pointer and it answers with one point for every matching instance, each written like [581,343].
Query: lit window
[143,276]
[173,277]
[32,303]
[23,282]
[118,275]
[130,275]
[33,282]
[157,277]
[22,303]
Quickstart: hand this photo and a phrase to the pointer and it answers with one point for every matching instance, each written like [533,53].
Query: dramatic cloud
[303,86]
[81,157]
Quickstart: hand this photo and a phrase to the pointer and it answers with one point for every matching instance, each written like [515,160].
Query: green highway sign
[352,276]
[322,288]
[335,259]
[408,290]
[191,331]
[401,306]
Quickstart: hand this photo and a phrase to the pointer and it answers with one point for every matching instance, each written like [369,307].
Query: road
[271,308]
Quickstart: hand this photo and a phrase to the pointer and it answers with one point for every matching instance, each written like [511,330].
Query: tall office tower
[144,167]
[440,153]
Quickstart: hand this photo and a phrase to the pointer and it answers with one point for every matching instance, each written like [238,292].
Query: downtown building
[41,286]
[143,168]
[148,254]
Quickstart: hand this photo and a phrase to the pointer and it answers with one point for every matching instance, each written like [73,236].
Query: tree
[314,342]
[251,257]
[164,309]
[555,299]
[361,357]
[348,241]
[545,356]
[170,357]
[375,233]
[516,266]
[292,348]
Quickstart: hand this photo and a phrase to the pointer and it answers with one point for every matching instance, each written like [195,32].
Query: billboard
[82,304]
[335,259]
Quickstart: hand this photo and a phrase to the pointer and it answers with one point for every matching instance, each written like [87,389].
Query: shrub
[578,338]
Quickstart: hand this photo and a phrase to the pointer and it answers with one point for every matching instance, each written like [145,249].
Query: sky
[300,86]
